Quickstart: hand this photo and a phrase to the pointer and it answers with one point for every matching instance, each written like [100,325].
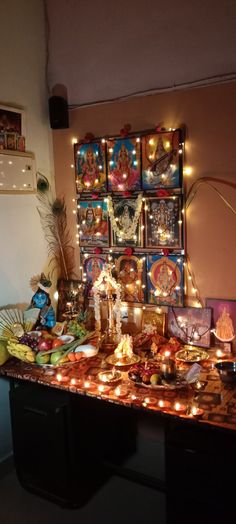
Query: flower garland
[105,278]
[131,231]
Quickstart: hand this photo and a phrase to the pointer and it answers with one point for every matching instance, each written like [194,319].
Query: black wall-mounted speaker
[58,112]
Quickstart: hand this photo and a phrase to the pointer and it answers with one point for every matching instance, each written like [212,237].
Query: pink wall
[209,114]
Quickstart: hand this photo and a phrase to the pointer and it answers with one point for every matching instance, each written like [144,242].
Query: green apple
[55,357]
[42,358]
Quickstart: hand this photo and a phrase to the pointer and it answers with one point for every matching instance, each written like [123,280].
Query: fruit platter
[150,375]
[47,350]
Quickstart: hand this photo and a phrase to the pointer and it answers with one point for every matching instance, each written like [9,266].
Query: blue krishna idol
[41,300]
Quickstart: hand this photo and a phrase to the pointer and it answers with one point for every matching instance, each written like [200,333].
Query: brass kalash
[107,292]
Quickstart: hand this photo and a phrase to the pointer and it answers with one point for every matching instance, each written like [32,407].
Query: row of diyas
[122,392]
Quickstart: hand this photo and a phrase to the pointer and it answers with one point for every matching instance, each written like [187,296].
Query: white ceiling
[107,49]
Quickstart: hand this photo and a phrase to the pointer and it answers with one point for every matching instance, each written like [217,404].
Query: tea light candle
[164,404]
[196,412]
[180,408]
[75,382]
[220,353]
[89,385]
[62,378]
[121,391]
[103,389]
[167,353]
[150,401]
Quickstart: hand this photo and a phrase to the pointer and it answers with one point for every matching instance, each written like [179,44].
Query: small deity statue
[224,326]
[41,300]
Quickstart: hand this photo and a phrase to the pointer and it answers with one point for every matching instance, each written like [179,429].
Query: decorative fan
[15,322]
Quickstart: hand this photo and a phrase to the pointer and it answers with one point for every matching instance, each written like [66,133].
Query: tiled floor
[118,502]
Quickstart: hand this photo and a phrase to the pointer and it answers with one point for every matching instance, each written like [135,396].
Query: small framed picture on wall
[126,221]
[163,222]
[130,273]
[162,160]
[165,280]
[90,165]
[92,266]
[124,169]
[92,219]
[191,324]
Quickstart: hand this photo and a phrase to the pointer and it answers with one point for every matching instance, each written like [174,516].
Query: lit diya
[123,354]
[109,376]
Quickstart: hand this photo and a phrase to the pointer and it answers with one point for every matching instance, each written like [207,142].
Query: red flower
[88,137]
[166,252]
[162,193]
[125,130]
[128,251]
[158,128]
[94,196]
[126,194]
[97,250]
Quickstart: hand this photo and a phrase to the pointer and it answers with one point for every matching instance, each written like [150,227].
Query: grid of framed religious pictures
[130,197]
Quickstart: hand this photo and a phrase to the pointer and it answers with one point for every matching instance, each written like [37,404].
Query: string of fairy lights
[188,285]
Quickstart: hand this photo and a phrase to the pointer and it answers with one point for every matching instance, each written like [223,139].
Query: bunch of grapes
[28,341]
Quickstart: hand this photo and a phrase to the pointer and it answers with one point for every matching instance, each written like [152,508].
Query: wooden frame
[92,218]
[162,160]
[124,164]
[163,222]
[126,207]
[130,273]
[90,163]
[12,120]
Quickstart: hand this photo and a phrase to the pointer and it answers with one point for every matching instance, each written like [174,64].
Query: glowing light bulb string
[192,279]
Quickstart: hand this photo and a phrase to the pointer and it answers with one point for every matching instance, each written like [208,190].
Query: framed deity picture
[126,221]
[124,172]
[165,280]
[12,120]
[192,325]
[130,273]
[162,160]
[151,317]
[90,165]
[92,221]
[163,222]
[92,266]
[223,318]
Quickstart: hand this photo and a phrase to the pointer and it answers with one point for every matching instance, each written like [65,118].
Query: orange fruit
[57,343]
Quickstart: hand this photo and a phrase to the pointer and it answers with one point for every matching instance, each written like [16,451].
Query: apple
[42,359]
[44,344]
[56,356]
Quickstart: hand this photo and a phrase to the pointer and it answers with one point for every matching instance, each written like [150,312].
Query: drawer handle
[35,411]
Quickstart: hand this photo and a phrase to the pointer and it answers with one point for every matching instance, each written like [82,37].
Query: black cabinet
[200,471]
[52,456]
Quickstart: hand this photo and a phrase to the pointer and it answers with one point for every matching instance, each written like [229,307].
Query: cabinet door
[42,440]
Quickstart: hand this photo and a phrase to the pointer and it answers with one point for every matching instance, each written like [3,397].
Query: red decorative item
[94,196]
[89,137]
[125,130]
[128,251]
[127,194]
[162,193]
[97,251]
[158,128]
[166,252]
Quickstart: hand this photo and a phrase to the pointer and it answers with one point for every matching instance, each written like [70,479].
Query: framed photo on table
[191,324]
[163,222]
[165,280]
[130,274]
[151,317]
[223,318]
[90,162]
[162,160]
[126,221]
[92,220]
[124,169]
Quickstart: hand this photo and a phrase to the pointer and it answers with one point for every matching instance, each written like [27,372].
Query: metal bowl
[226,370]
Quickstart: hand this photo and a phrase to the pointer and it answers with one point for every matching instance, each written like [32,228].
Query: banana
[21,351]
